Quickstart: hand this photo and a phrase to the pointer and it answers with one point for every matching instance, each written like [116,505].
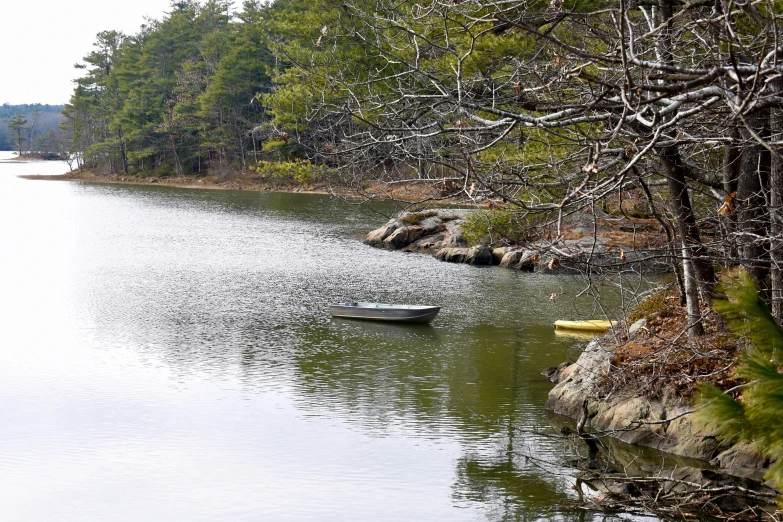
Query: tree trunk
[695,326]
[776,213]
[123,149]
[731,162]
[752,219]
[686,222]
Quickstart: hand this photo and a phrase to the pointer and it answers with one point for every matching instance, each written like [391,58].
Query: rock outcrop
[438,232]
[664,424]
[478,255]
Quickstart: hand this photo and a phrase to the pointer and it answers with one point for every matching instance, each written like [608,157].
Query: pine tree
[17,125]
[755,416]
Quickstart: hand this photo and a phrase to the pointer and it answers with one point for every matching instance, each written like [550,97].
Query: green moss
[418,217]
[663,303]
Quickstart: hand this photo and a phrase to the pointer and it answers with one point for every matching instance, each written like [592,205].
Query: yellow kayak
[593,325]
[577,335]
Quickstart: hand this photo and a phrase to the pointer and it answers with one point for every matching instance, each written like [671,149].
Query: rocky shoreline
[664,424]
[717,478]
[595,240]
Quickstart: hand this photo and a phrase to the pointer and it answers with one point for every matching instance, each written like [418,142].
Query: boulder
[427,244]
[457,240]
[519,259]
[743,460]
[624,412]
[499,253]
[432,230]
[403,237]
[479,255]
[636,327]
[452,255]
[377,236]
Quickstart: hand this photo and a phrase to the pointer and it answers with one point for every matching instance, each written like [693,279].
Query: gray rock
[499,253]
[636,328]
[403,237]
[511,258]
[377,236]
[427,244]
[479,255]
[743,460]
[452,255]
[457,240]
[553,373]
[519,260]
[435,229]
[638,420]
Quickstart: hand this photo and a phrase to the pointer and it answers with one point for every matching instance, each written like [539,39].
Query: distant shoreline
[238,183]
[376,191]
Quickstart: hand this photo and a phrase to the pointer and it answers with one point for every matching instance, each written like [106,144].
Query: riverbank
[408,193]
[637,384]
[237,182]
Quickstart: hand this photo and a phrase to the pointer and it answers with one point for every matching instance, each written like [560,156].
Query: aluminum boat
[385,312]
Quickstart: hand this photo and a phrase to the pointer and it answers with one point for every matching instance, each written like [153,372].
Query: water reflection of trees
[477,386]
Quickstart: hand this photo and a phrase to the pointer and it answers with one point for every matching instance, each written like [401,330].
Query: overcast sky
[41,40]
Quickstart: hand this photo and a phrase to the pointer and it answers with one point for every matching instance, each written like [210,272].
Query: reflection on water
[168,355]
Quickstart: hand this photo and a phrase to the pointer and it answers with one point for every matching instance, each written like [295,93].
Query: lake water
[167,354]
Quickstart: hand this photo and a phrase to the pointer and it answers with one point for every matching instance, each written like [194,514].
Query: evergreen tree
[17,125]
[754,415]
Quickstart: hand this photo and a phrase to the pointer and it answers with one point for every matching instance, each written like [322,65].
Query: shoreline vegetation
[313,182]
[239,182]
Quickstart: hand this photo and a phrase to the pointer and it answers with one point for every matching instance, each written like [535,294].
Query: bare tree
[553,110]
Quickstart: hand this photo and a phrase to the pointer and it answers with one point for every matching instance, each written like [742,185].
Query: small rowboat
[385,312]
[593,325]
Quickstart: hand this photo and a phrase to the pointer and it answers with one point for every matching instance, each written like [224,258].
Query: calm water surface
[167,354]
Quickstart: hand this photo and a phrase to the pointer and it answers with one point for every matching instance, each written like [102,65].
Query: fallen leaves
[727,208]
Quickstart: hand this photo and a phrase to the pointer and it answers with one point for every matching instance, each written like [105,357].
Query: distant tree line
[40,130]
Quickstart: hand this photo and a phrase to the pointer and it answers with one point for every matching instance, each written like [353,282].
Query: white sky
[41,40]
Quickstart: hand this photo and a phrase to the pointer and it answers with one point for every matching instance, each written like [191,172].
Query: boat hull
[593,325]
[385,312]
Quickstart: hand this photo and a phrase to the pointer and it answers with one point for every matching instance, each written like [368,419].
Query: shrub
[498,226]
[299,171]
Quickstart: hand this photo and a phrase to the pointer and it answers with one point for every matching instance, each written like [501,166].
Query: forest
[41,128]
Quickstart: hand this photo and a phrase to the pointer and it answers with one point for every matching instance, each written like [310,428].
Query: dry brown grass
[662,359]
